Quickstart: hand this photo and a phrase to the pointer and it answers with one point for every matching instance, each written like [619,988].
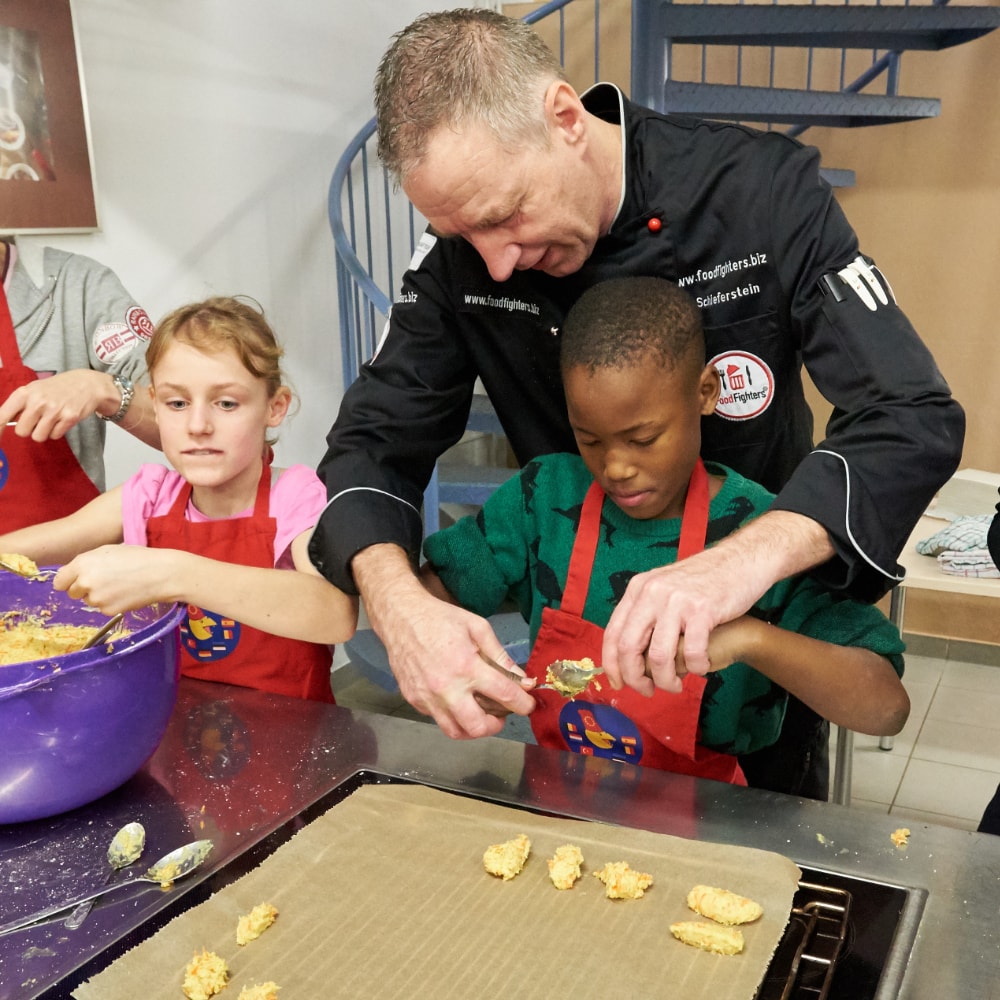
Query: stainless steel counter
[238,766]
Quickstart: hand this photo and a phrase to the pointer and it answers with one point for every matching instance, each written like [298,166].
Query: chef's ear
[709,389]
[564,111]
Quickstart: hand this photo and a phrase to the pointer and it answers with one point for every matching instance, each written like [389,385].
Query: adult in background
[72,354]
[533,194]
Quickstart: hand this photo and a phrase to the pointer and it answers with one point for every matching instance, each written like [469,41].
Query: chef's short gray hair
[455,66]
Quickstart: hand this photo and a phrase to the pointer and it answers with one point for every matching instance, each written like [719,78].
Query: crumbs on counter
[900,837]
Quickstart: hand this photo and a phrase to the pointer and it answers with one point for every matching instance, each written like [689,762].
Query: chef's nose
[499,254]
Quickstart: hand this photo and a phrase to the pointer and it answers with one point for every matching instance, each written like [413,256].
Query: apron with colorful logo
[217,648]
[660,731]
[39,480]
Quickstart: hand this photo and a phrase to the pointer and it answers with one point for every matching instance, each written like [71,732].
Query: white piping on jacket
[369,489]
[847,506]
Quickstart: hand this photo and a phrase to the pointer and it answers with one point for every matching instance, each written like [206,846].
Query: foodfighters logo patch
[112,340]
[747,385]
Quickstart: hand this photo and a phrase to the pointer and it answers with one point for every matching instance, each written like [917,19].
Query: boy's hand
[728,643]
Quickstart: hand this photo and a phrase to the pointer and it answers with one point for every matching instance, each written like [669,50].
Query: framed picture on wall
[46,180]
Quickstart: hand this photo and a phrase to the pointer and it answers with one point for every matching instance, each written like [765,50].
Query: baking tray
[869,939]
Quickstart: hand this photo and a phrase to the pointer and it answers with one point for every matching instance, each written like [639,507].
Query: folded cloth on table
[963,534]
[974,562]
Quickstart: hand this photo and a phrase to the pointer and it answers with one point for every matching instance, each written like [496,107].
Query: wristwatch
[127,389]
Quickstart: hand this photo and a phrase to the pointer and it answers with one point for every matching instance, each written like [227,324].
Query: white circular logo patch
[747,385]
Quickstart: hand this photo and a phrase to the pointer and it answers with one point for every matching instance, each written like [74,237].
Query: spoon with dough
[23,566]
[165,872]
[125,847]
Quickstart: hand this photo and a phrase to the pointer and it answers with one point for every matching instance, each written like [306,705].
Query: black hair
[622,322]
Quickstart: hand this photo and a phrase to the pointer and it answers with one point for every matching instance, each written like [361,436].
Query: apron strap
[9,353]
[694,528]
[581,561]
[694,524]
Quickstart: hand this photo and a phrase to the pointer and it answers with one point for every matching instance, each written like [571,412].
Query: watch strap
[127,389]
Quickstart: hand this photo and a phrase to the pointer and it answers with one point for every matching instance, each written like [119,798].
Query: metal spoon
[23,566]
[109,626]
[125,847]
[167,870]
[488,705]
[570,677]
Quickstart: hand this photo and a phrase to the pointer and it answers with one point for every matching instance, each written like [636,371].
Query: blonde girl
[221,531]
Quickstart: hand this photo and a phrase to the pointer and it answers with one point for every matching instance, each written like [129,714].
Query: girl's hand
[117,578]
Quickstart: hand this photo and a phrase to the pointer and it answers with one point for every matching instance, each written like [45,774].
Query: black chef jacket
[745,224]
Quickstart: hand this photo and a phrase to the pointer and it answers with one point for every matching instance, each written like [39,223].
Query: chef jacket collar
[606,101]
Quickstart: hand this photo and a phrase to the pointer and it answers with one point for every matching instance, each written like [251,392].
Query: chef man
[72,354]
[533,194]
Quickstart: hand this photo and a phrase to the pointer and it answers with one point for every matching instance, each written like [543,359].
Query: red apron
[660,731]
[39,480]
[215,648]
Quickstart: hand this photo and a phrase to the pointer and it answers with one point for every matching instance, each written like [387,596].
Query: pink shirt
[297,499]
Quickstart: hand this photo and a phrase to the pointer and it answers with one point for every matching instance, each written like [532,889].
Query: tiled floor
[945,765]
[943,768]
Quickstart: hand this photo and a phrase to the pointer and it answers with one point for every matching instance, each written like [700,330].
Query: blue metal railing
[375,232]
[372,245]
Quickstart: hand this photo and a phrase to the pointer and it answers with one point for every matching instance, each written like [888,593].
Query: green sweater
[518,546]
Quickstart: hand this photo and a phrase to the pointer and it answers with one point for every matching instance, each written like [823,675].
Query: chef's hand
[690,598]
[434,648]
[117,578]
[728,643]
[48,407]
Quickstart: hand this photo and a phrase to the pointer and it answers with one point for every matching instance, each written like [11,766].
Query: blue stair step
[482,416]
[820,26]
[838,177]
[794,107]
[470,484]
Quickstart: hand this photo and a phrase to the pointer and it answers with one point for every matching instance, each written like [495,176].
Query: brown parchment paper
[385,896]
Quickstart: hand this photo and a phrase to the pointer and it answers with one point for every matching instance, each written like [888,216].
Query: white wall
[216,125]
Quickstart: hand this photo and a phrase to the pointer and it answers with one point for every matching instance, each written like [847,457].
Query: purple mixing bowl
[77,726]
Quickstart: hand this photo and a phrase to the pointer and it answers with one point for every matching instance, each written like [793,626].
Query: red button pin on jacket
[654,225]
